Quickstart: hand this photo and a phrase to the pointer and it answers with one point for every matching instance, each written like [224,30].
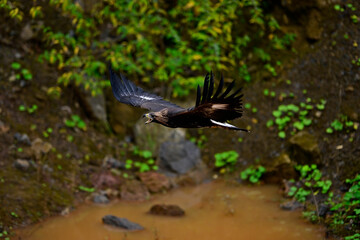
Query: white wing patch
[146,98]
[222,124]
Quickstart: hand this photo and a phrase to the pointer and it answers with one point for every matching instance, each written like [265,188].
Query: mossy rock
[304,148]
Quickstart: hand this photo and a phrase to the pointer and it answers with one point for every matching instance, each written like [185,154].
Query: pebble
[21,164]
[113,163]
[22,138]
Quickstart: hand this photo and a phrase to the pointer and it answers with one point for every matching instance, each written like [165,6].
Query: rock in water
[167,210]
[101,199]
[121,223]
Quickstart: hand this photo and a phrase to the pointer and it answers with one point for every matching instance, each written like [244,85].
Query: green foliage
[14,214]
[12,8]
[75,121]
[21,72]
[346,210]
[337,7]
[343,123]
[30,110]
[282,134]
[356,236]
[253,174]
[311,215]
[353,17]
[200,140]
[356,61]
[311,180]
[145,165]
[86,189]
[174,44]
[228,158]
[47,132]
[141,166]
[69,138]
[4,235]
[293,117]
[299,194]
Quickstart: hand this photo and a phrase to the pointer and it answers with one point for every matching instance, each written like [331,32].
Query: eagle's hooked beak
[149,118]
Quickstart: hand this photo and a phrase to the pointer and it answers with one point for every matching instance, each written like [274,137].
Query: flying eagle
[211,110]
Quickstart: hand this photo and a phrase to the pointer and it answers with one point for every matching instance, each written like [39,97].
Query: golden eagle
[209,111]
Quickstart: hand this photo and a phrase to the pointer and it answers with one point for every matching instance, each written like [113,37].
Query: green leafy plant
[348,210]
[298,115]
[47,132]
[75,121]
[311,179]
[30,110]
[141,166]
[86,189]
[343,123]
[226,160]
[12,10]
[21,72]
[147,164]
[356,236]
[5,235]
[253,174]
[311,215]
[14,214]
[200,140]
[153,44]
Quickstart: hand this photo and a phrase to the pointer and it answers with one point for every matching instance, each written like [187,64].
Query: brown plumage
[210,110]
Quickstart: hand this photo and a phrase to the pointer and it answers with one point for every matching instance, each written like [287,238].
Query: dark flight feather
[211,86]
[205,90]
[127,92]
[220,87]
[229,88]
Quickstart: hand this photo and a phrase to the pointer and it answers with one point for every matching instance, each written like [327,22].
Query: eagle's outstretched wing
[127,92]
[219,107]
[213,110]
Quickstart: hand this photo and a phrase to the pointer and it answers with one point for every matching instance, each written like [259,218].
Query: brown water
[213,211]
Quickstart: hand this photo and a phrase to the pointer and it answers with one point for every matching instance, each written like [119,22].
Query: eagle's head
[157,117]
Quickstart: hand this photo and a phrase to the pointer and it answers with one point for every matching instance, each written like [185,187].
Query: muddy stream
[214,210]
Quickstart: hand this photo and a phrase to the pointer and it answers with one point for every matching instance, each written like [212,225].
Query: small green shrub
[75,121]
[30,110]
[21,72]
[226,160]
[343,123]
[172,44]
[145,165]
[293,117]
[253,174]
[311,180]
